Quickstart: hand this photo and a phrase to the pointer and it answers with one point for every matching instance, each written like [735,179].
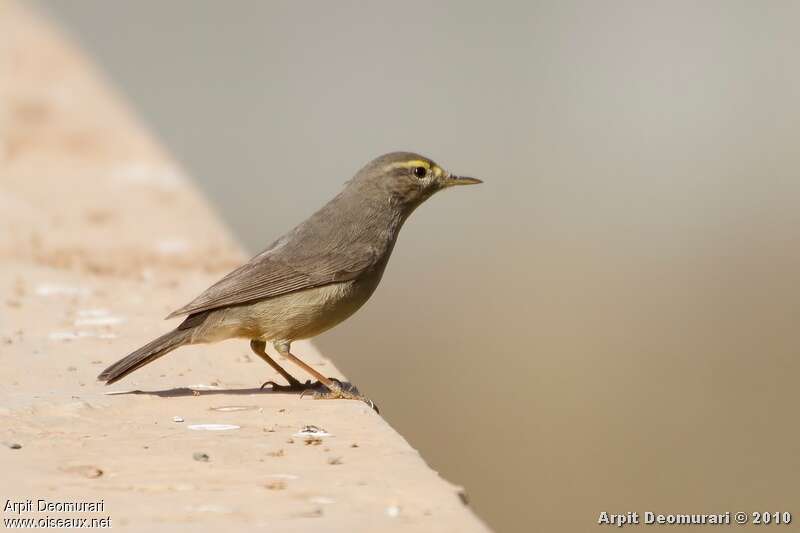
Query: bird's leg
[259,347]
[336,389]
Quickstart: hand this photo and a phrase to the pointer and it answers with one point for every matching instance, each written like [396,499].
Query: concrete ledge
[101,235]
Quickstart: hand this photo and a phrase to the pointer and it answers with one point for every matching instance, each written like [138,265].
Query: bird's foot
[340,391]
[293,386]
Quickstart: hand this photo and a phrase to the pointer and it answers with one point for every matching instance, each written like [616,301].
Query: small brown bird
[312,278]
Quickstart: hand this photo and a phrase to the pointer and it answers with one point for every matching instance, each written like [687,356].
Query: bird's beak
[451,180]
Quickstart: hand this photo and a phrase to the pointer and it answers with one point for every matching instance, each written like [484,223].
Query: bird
[310,279]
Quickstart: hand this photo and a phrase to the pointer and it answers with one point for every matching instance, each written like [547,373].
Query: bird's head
[407,179]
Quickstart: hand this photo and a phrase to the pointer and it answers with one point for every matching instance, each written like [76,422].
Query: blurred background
[610,321]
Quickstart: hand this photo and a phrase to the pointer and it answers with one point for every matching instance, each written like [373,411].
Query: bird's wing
[271,274]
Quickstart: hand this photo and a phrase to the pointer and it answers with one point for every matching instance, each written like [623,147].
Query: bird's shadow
[179,392]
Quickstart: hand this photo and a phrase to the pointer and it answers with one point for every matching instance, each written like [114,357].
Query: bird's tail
[144,355]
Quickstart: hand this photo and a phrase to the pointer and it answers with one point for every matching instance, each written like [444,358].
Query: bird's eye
[420,172]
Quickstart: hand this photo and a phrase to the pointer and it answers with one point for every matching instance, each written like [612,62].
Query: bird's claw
[318,387]
[340,391]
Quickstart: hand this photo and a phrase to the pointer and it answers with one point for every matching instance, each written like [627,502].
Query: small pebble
[200,456]
[334,460]
[88,471]
[13,445]
[177,419]
[313,431]
[276,485]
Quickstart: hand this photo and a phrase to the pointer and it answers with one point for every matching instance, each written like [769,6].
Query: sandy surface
[100,237]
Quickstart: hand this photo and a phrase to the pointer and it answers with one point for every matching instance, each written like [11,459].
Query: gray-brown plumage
[312,278]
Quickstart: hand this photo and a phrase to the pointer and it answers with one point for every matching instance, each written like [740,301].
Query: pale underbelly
[299,315]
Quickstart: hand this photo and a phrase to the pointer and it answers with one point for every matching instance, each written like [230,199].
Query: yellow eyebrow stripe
[409,164]
[435,169]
